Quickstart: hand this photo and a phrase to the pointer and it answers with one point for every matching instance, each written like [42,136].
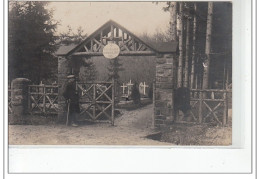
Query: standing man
[72,100]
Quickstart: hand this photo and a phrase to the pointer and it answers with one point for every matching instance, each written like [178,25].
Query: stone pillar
[164,86]
[19,98]
[63,71]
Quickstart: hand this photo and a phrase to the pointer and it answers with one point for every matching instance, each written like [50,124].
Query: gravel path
[130,129]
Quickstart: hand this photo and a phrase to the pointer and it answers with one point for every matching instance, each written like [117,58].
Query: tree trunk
[205,83]
[173,20]
[186,68]
[179,83]
[193,48]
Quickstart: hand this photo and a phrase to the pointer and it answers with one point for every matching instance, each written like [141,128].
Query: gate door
[97,101]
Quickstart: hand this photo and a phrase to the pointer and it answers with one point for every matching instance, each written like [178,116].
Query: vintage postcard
[120,73]
[128,87]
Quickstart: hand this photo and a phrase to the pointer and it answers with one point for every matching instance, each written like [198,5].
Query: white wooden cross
[124,86]
[129,84]
[144,86]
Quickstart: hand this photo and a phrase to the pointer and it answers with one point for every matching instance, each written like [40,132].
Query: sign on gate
[111,51]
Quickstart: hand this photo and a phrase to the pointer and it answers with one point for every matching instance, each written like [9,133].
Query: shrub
[136,94]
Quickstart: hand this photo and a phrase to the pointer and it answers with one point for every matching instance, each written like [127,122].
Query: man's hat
[70,76]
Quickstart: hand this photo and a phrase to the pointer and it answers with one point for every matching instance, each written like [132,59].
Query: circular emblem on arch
[111,51]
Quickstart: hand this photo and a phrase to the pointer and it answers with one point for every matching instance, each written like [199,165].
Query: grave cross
[124,86]
[129,84]
[145,87]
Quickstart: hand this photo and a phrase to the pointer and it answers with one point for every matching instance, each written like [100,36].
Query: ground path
[130,129]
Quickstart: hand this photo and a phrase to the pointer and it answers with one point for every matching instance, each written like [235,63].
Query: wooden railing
[97,100]
[10,111]
[211,104]
[43,99]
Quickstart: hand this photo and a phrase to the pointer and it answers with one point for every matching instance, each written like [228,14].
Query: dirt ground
[131,128]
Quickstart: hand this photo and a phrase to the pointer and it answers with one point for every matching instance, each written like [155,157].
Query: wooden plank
[134,44]
[91,45]
[123,37]
[103,102]
[112,32]
[85,91]
[212,111]
[193,116]
[113,103]
[200,107]
[94,101]
[29,99]
[225,110]
[140,46]
[153,118]
[47,86]
[52,102]
[101,37]
[86,111]
[103,111]
[104,93]
[86,48]
[96,82]
[210,90]
[124,47]
[117,32]
[101,45]
[121,53]
[36,103]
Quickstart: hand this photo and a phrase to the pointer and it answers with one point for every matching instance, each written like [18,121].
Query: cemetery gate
[97,100]
[43,99]
[209,104]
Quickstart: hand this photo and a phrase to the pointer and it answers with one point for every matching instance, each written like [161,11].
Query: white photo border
[237,159]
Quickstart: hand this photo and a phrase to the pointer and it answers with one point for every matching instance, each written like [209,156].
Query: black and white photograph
[120,73]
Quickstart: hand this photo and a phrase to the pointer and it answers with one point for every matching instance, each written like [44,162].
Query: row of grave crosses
[129,85]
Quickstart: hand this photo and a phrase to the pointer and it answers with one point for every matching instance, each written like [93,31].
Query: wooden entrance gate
[43,99]
[209,105]
[97,100]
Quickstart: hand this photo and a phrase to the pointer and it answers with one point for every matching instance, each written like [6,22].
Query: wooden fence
[97,100]
[43,99]
[10,111]
[211,104]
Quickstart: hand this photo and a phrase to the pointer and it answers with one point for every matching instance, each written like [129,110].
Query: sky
[138,17]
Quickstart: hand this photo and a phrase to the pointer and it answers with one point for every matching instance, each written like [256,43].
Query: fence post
[29,99]
[153,118]
[113,102]
[224,122]
[200,107]
[94,98]
[44,99]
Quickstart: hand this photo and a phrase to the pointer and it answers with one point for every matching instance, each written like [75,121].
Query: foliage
[150,92]
[69,37]
[158,36]
[136,94]
[88,71]
[31,41]
[114,68]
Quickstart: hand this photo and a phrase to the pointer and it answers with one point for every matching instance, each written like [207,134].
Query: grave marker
[124,86]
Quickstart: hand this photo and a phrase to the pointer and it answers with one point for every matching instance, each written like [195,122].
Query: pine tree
[89,72]
[31,41]
[114,68]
